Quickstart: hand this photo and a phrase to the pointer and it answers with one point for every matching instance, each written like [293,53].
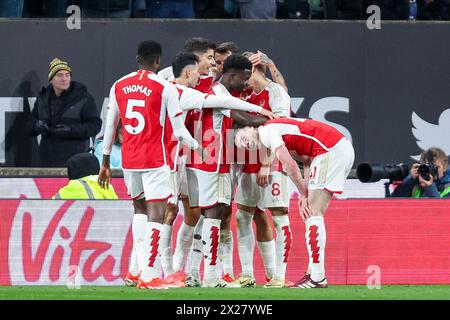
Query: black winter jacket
[75,108]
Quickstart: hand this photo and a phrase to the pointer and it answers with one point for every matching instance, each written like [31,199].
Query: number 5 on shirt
[131,113]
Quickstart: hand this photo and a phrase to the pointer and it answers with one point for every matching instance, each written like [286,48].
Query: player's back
[139,97]
[306,136]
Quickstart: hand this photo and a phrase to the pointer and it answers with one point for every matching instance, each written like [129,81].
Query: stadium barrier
[373,85]
[45,242]
[43,183]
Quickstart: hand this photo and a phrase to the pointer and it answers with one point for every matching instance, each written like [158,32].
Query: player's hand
[262,177]
[104,177]
[268,114]
[260,58]
[203,153]
[424,183]
[305,211]
[265,60]
[414,170]
[255,59]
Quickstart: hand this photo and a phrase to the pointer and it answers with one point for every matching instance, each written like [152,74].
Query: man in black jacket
[65,115]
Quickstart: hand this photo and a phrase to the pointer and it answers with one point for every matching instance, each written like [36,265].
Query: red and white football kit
[194,104]
[179,180]
[273,98]
[190,101]
[142,101]
[209,181]
[332,154]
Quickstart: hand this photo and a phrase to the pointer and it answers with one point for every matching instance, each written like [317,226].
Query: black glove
[41,127]
[62,130]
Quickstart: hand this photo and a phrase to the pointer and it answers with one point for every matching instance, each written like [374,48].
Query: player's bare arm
[232,103]
[104,175]
[247,119]
[174,112]
[293,171]
[262,58]
[112,122]
[306,161]
[262,177]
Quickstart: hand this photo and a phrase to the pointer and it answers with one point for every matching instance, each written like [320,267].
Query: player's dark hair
[198,45]
[227,46]
[181,60]
[149,51]
[236,62]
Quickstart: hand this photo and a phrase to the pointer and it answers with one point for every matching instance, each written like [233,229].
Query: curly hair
[236,62]
[434,153]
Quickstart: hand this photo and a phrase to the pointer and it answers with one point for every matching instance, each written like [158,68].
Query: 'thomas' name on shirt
[137,88]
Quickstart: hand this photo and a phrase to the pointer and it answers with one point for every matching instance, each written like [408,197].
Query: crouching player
[328,158]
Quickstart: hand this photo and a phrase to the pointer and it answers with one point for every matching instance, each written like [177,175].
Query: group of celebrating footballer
[209,127]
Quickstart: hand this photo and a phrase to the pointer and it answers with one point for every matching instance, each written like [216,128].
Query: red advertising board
[406,240]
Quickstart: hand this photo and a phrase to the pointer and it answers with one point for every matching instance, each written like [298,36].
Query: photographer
[434,166]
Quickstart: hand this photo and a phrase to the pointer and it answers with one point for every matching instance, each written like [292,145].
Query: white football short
[330,170]
[174,188]
[235,172]
[275,195]
[178,182]
[181,177]
[151,185]
[206,189]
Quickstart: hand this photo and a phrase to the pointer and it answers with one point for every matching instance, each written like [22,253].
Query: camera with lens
[428,168]
[394,172]
[398,172]
[425,170]
[375,172]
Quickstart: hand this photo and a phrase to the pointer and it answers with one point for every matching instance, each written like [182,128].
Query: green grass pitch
[350,292]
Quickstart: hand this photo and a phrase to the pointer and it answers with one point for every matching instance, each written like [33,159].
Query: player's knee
[261,220]
[139,206]
[226,222]
[249,210]
[171,214]
[279,211]
[216,212]
[243,217]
